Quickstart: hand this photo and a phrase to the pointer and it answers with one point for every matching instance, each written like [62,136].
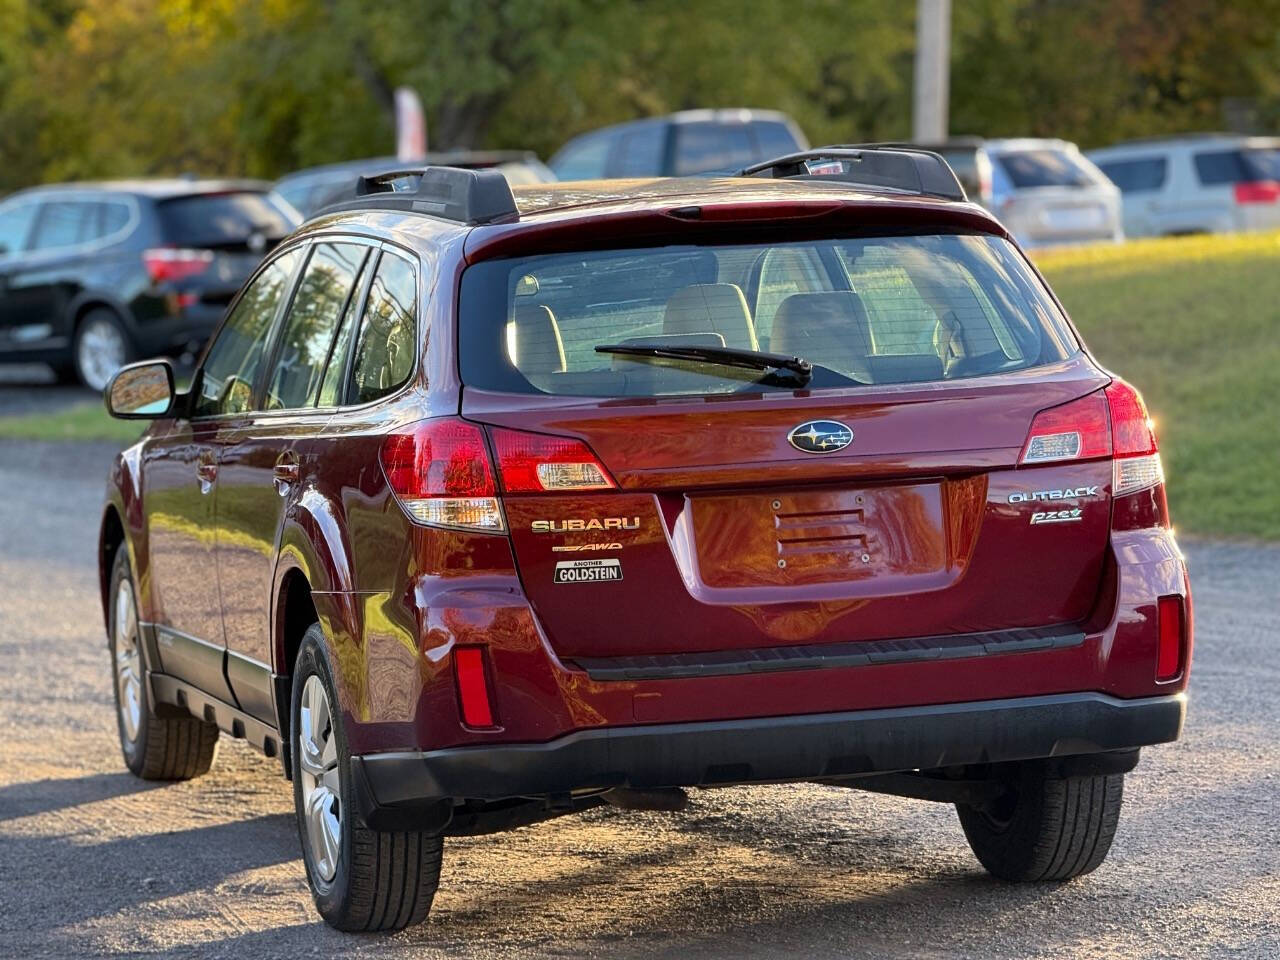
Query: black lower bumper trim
[770,749]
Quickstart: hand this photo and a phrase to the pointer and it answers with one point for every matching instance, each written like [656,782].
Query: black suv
[95,274]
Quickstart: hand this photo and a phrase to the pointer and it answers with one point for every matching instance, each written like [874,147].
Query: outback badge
[820,436]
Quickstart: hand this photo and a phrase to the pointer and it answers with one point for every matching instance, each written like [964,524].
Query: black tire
[1045,828]
[161,748]
[100,347]
[381,880]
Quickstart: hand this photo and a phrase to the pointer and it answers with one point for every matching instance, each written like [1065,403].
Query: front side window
[862,310]
[387,345]
[16,220]
[231,368]
[308,330]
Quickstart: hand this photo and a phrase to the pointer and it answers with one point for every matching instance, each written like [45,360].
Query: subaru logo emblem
[820,436]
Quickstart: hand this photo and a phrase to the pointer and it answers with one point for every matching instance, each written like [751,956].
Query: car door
[267,456]
[17,217]
[47,278]
[180,476]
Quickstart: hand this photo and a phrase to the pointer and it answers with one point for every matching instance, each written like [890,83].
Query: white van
[1198,183]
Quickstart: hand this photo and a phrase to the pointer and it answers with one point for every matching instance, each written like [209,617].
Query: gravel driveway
[96,862]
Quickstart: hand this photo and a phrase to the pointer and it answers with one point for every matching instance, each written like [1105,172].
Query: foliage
[94,88]
[1191,322]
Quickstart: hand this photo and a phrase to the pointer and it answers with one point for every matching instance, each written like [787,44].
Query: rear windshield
[1044,168]
[222,219]
[870,310]
[1238,166]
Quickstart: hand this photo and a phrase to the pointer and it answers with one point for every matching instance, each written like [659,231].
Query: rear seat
[718,308]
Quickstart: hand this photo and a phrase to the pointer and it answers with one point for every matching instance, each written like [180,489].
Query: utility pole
[933,70]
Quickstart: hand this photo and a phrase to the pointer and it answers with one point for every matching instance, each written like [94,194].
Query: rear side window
[387,343]
[865,310]
[705,146]
[1138,175]
[231,367]
[309,328]
[16,221]
[1043,168]
[1237,166]
[226,220]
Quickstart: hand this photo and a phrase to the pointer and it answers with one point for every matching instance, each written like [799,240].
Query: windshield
[867,310]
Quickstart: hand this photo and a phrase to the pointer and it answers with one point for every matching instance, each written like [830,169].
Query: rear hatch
[214,240]
[881,500]
[1055,195]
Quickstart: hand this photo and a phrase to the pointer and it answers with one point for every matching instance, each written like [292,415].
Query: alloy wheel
[100,351]
[321,797]
[128,662]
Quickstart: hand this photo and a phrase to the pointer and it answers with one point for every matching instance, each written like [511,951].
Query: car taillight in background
[441,471]
[168,264]
[1259,191]
[1111,422]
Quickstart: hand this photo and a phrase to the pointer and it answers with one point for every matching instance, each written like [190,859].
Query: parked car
[93,275]
[1201,183]
[311,189]
[504,504]
[682,144]
[1047,192]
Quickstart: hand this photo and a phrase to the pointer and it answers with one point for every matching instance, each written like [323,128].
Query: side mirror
[141,391]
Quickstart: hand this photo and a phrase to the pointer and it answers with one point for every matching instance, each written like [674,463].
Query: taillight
[440,472]
[473,686]
[1079,430]
[1259,191]
[538,463]
[167,264]
[1136,464]
[1171,629]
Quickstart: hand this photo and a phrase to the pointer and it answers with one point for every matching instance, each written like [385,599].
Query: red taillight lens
[538,463]
[440,471]
[473,686]
[1137,458]
[1261,191]
[1079,430]
[1171,628]
[167,265]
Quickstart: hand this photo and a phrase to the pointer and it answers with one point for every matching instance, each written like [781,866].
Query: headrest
[826,328]
[712,308]
[533,340]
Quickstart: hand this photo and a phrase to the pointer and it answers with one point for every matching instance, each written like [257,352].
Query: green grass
[84,421]
[1193,323]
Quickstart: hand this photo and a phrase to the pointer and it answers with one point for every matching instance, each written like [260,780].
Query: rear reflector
[440,473]
[473,686]
[1078,430]
[1170,623]
[1263,191]
[538,463]
[166,264]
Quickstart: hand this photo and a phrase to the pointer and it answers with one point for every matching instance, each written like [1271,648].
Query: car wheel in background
[154,748]
[1044,827]
[101,348]
[361,879]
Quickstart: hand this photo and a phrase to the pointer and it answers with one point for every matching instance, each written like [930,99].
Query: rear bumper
[769,749]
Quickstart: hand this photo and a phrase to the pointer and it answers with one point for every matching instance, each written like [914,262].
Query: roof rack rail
[450,193]
[899,168]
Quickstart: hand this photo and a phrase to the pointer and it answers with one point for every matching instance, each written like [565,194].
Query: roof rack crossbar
[450,193]
[898,168]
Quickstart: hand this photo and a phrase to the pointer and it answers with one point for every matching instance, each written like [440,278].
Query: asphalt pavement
[94,862]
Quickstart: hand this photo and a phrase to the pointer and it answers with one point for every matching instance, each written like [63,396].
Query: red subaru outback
[484,508]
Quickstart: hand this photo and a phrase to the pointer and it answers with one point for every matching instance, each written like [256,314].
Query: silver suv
[1202,183]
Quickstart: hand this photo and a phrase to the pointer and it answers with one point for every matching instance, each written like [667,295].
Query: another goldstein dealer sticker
[588,571]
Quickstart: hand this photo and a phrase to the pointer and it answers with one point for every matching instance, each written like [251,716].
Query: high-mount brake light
[168,264]
[538,463]
[1136,455]
[1079,430]
[439,470]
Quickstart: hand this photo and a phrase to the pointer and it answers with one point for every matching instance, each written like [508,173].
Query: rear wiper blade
[798,367]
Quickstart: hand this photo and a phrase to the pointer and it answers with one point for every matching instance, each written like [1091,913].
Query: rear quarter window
[1237,166]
